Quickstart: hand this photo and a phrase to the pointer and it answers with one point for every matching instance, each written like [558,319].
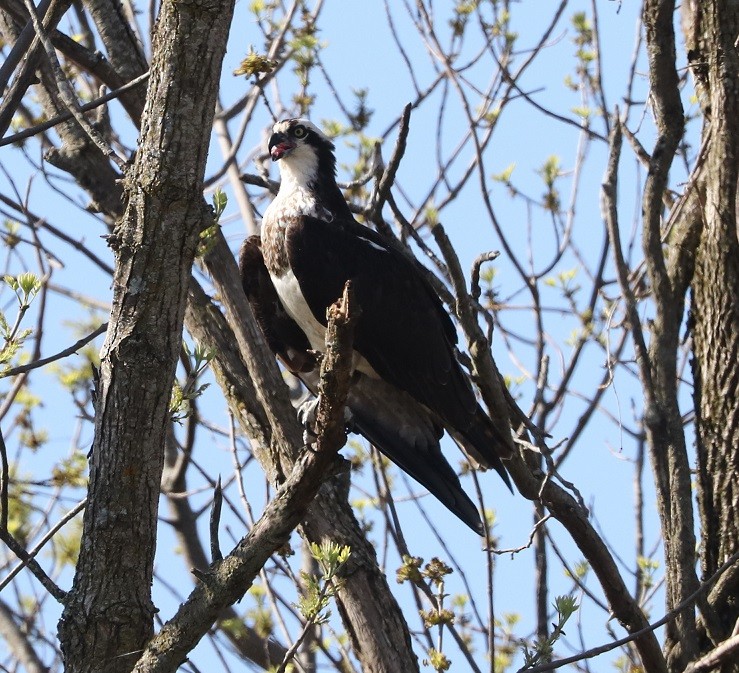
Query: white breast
[296,199]
[288,289]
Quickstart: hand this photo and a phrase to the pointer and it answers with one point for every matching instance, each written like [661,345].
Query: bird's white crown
[285,125]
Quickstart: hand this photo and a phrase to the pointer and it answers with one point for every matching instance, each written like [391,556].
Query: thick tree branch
[724,653]
[485,371]
[226,581]
[715,311]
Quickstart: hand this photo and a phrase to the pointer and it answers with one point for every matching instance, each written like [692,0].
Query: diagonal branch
[19,644]
[537,488]
[387,177]
[66,92]
[58,119]
[226,581]
[27,52]
[690,600]
[256,393]
[22,369]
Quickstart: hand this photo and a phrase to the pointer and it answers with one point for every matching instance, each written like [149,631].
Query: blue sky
[359,54]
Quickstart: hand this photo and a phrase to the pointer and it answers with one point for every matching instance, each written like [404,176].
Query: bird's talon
[307,414]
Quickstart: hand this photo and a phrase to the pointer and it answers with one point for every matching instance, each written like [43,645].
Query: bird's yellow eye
[299,131]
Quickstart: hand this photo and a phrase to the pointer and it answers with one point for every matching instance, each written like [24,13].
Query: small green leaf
[254,64]
[505,175]
[220,199]
[410,570]
[437,660]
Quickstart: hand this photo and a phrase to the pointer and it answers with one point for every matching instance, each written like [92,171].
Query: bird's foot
[307,418]
[307,413]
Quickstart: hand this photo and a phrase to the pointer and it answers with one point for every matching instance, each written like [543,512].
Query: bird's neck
[330,197]
[311,181]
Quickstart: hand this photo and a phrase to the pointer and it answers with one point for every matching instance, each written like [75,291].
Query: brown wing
[404,332]
[401,428]
[283,336]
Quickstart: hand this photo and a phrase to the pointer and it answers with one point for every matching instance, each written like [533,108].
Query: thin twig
[4,486]
[66,92]
[595,651]
[516,550]
[42,542]
[22,369]
[258,181]
[26,51]
[309,625]
[64,116]
[19,52]
[475,290]
[215,521]
[485,370]
[388,175]
[33,566]
[609,190]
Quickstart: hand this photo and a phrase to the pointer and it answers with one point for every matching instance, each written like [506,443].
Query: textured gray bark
[109,614]
[715,311]
[227,579]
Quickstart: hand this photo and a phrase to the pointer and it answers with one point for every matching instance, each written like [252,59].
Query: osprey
[407,385]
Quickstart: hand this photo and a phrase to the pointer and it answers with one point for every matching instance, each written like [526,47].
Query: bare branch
[32,565]
[215,521]
[386,180]
[609,192]
[227,580]
[66,92]
[58,119]
[725,652]
[670,616]
[22,369]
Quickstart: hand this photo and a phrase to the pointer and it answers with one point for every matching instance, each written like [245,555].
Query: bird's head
[297,137]
[306,156]
[307,162]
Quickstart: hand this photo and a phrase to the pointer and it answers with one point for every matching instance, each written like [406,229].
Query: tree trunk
[108,615]
[715,309]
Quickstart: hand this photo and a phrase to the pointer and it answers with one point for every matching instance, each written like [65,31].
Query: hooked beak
[279,146]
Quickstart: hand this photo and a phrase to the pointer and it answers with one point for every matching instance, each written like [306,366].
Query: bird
[408,386]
